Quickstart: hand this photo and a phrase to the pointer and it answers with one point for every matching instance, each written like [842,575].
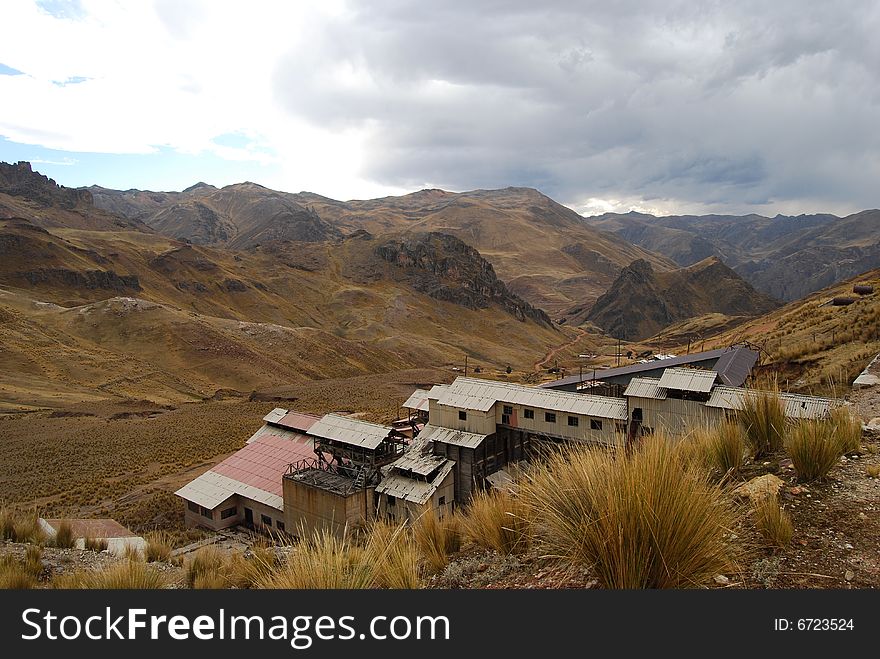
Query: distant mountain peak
[201,185]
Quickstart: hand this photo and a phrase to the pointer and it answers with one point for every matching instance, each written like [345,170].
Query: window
[550,417]
[442,501]
[229,512]
[206,512]
[595,424]
[193,507]
[529,414]
[266,520]
[462,415]
[620,427]
[391,500]
[507,409]
[573,421]
[280,526]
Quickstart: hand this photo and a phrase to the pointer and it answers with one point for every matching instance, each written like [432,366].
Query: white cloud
[675,106]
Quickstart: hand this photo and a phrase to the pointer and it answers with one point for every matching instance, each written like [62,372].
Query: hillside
[542,250]
[786,257]
[129,314]
[642,302]
[811,345]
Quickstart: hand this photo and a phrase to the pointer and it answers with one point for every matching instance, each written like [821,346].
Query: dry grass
[159,546]
[323,561]
[720,450]
[644,520]
[873,471]
[33,560]
[393,553]
[497,520]
[847,430]
[814,449]
[96,544]
[763,418]
[129,575]
[132,553]
[64,538]
[15,575]
[436,539]
[773,522]
[207,563]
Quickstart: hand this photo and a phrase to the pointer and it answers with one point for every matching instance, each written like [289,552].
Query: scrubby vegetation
[126,575]
[64,538]
[643,520]
[814,448]
[773,522]
[497,519]
[720,450]
[159,546]
[437,539]
[763,418]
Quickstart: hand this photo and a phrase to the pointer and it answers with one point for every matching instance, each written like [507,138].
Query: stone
[759,488]
[721,580]
[863,516]
[850,575]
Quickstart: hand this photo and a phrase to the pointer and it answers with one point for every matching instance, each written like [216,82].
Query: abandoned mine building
[302,472]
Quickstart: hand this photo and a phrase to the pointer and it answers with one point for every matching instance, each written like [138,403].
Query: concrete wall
[481,423]
[609,434]
[308,508]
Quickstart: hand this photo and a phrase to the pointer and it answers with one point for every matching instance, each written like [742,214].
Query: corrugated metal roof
[735,366]
[411,489]
[797,406]
[418,458]
[298,421]
[476,394]
[275,431]
[688,379]
[645,388]
[738,357]
[350,431]
[275,415]
[254,472]
[436,390]
[450,436]
[418,400]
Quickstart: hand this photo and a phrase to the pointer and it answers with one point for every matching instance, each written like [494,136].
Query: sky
[664,107]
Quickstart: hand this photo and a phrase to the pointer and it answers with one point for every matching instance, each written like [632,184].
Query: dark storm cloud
[725,104]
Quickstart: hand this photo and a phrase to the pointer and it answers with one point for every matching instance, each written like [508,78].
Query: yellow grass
[123,576]
[814,449]
[159,546]
[763,418]
[720,450]
[773,522]
[645,520]
[437,539]
[847,430]
[64,535]
[498,520]
[15,575]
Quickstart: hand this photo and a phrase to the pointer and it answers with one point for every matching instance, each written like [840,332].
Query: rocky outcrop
[445,268]
[88,279]
[19,180]
[642,302]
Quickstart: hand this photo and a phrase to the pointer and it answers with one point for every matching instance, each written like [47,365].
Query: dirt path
[538,365]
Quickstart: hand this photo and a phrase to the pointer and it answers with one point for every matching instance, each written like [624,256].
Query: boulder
[759,488]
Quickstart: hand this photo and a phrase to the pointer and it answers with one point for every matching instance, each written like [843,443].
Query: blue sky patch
[9,71]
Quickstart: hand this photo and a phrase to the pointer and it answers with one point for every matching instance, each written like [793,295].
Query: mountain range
[786,257]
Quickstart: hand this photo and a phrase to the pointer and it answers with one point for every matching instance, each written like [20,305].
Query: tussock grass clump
[498,520]
[64,538]
[7,523]
[323,560]
[814,449]
[773,522]
[132,553]
[159,546]
[123,576]
[763,418]
[720,450]
[436,539]
[33,560]
[847,430]
[206,561]
[648,519]
[393,553]
[15,575]
[210,581]
[873,471]
[95,544]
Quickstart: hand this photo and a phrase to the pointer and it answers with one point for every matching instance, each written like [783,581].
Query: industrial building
[337,472]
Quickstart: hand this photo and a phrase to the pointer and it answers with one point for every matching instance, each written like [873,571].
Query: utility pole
[618,351]
[465,365]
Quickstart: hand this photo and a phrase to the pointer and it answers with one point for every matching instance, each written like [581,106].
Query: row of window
[226,513]
[549,417]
